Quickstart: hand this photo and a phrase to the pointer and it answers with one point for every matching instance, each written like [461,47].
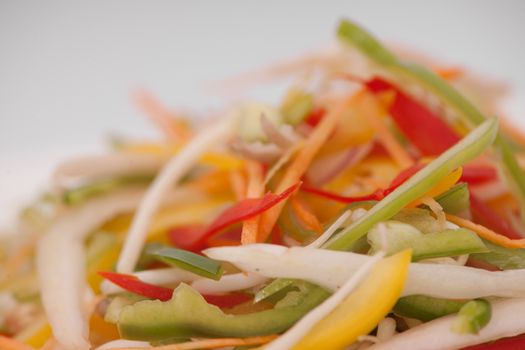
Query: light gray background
[67,68]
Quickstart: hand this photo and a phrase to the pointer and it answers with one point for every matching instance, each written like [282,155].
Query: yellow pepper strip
[105,263]
[441,187]
[36,334]
[221,161]
[362,310]
[101,331]
[486,233]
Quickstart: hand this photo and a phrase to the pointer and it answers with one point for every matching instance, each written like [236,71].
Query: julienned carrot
[172,126]
[212,343]
[255,189]
[374,116]
[449,73]
[486,233]
[7,343]
[300,163]
[238,184]
[305,216]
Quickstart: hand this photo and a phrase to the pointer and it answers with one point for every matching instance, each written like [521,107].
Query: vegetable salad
[378,205]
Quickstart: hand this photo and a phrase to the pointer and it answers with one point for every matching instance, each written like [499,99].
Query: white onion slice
[121,343]
[87,168]
[507,320]
[60,261]
[332,268]
[331,230]
[228,283]
[176,168]
[60,264]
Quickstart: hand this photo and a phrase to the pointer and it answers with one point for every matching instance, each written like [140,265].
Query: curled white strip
[442,281]
[506,321]
[176,168]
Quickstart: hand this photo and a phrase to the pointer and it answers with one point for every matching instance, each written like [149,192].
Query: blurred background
[67,69]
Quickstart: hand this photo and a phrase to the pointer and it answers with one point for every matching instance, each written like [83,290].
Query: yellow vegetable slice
[362,310]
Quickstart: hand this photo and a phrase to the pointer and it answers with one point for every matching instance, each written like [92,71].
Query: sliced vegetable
[189,261]
[355,36]
[425,308]
[188,315]
[468,148]
[394,237]
[475,174]
[512,343]
[437,280]
[134,285]
[456,200]
[487,217]
[432,136]
[272,288]
[79,194]
[361,310]
[486,233]
[506,321]
[246,209]
[503,258]
[472,317]
[297,105]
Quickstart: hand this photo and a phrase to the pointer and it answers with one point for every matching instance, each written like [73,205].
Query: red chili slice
[513,343]
[134,285]
[485,216]
[246,209]
[426,131]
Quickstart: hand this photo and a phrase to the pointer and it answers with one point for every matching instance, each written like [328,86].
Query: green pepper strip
[472,317]
[434,245]
[503,258]
[425,308]
[456,200]
[189,261]
[187,314]
[357,37]
[467,149]
[98,187]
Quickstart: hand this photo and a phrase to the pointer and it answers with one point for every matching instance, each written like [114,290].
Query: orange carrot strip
[238,184]
[486,233]
[212,343]
[305,216]
[7,343]
[373,113]
[170,123]
[301,162]
[255,190]
[449,73]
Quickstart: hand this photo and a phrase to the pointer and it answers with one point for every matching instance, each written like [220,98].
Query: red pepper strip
[246,209]
[378,195]
[228,300]
[134,285]
[315,116]
[427,132]
[485,216]
[187,238]
[475,174]
[512,343]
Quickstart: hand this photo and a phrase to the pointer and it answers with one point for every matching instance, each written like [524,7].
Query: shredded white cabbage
[60,261]
[88,168]
[506,321]
[168,177]
[305,324]
[442,281]
[331,230]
